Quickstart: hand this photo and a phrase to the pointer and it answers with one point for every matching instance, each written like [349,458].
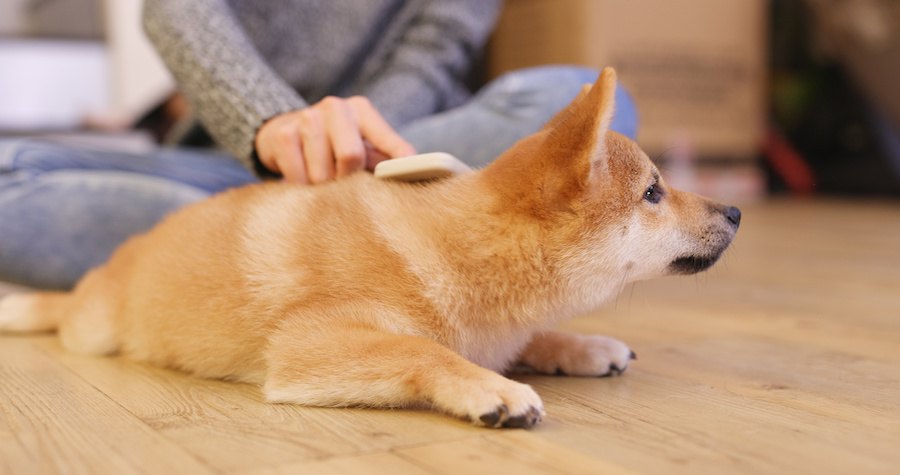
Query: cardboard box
[696,68]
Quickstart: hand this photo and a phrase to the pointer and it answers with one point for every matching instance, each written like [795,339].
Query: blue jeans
[64,209]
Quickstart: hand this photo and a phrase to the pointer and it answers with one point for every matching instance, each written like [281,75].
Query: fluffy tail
[33,312]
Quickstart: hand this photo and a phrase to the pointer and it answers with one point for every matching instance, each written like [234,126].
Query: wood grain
[54,422]
[785,358]
[232,429]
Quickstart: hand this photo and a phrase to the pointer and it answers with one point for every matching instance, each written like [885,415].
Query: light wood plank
[53,422]
[508,452]
[231,428]
[671,423]
[500,452]
[380,463]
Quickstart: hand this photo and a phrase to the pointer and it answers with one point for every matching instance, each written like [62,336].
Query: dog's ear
[544,172]
[574,151]
[581,127]
[603,100]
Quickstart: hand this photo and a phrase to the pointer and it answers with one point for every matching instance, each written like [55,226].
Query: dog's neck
[502,260]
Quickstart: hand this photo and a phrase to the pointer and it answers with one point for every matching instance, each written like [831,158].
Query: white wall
[51,84]
[137,75]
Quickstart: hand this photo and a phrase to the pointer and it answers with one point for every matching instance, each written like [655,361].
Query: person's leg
[64,209]
[509,108]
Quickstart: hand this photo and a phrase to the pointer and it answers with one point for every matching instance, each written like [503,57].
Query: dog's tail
[82,319]
[33,312]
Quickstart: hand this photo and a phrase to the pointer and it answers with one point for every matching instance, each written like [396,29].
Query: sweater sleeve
[428,66]
[218,68]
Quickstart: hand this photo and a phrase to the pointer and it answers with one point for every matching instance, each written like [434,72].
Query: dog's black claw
[560,372]
[614,370]
[525,421]
[633,355]
[536,414]
[491,419]
[516,422]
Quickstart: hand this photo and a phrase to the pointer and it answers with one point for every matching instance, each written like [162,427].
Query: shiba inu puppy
[365,292]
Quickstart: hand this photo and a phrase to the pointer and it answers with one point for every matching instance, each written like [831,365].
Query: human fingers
[344,135]
[316,146]
[278,148]
[374,156]
[377,131]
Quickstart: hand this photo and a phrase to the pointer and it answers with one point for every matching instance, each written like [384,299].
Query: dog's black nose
[734,215]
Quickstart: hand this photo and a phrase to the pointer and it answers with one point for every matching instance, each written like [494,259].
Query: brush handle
[425,166]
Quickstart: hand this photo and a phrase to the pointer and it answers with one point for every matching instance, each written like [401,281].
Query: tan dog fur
[385,294]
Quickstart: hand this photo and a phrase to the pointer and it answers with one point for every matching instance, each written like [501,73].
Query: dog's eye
[653,194]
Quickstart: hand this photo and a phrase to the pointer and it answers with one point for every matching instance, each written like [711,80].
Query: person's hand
[330,139]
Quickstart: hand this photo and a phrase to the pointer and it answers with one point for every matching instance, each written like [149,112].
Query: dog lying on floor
[366,292]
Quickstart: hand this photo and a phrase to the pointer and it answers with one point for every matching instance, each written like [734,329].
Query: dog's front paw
[577,355]
[501,417]
[493,402]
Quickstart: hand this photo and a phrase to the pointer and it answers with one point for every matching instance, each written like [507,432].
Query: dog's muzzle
[693,264]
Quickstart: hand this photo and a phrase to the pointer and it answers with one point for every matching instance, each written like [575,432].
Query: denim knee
[55,226]
[209,170]
[12,152]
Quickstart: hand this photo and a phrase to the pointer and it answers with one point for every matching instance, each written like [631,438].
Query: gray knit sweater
[241,62]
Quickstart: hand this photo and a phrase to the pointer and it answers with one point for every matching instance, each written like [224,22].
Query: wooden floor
[783,359]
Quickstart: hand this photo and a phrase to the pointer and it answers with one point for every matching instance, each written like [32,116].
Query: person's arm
[217,66]
[250,110]
[421,71]
[432,60]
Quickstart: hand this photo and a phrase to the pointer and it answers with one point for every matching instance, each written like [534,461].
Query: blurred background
[739,99]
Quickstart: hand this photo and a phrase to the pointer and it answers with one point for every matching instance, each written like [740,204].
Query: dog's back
[203,290]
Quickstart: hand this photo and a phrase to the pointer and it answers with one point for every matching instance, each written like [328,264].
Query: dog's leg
[360,367]
[553,352]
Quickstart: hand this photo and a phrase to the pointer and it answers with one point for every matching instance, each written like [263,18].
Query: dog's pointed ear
[545,171]
[592,112]
[579,131]
[603,99]
[566,113]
